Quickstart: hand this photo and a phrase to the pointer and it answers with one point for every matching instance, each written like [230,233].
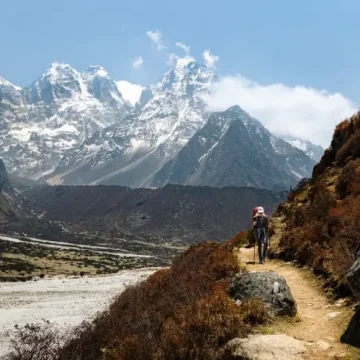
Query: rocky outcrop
[353,278]
[270,287]
[267,347]
[5,186]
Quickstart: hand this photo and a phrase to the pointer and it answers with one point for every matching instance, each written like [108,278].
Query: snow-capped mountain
[74,127]
[130,152]
[41,123]
[234,149]
[315,152]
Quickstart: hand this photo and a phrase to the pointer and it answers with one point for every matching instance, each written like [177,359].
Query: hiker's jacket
[260,222]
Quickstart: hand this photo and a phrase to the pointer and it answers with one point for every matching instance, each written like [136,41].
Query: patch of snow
[102,72]
[24,133]
[8,83]
[297,174]
[130,92]
[209,152]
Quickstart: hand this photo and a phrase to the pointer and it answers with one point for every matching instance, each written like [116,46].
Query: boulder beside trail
[267,347]
[270,287]
[353,278]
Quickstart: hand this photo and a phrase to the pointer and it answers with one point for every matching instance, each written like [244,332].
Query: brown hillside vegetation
[322,215]
[183,312]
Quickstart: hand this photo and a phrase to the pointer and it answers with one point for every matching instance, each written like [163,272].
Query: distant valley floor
[23,258]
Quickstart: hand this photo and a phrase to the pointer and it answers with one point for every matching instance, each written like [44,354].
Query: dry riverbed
[63,301]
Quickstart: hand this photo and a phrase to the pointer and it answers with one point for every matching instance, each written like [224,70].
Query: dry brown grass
[323,219]
[183,312]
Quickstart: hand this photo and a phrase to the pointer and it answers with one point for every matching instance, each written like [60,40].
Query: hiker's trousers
[262,242]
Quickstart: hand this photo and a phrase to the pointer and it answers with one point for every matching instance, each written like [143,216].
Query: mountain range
[72,127]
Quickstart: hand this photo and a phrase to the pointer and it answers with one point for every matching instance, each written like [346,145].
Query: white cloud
[137,63]
[171,59]
[210,60]
[130,92]
[299,111]
[183,46]
[155,37]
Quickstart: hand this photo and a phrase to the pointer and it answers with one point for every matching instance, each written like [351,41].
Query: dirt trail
[319,322]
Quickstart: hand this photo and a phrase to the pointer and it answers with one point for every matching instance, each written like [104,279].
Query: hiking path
[320,322]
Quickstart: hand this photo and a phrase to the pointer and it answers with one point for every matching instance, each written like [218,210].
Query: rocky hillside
[234,149]
[41,123]
[174,213]
[322,215]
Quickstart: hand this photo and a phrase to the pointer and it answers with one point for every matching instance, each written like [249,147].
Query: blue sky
[309,43]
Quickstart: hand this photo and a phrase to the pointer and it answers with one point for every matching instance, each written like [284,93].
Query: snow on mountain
[131,151]
[234,149]
[76,127]
[4,82]
[130,92]
[39,124]
[315,152]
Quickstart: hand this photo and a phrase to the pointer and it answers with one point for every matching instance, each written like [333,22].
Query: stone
[332,315]
[323,345]
[340,303]
[270,287]
[267,347]
[353,278]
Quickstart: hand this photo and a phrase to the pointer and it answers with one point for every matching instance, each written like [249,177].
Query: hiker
[261,225]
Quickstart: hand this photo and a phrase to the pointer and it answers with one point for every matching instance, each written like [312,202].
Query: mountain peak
[189,73]
[97,70]
[8,83]
[59,67]
[58,72]
[184,62]
[314,151]
[237,109]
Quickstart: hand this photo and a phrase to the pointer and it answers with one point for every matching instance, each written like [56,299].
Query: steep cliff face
[8,211]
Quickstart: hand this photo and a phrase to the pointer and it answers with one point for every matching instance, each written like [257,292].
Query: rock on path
[268,347]
[270,287]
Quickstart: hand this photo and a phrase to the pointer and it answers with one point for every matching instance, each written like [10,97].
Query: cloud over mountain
[298,111]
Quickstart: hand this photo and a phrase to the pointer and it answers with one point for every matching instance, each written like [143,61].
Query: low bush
[183,312]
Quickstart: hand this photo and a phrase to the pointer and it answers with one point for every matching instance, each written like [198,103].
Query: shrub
[178,313]
[242,238]
[348,181]
[300,186]
[35,342]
